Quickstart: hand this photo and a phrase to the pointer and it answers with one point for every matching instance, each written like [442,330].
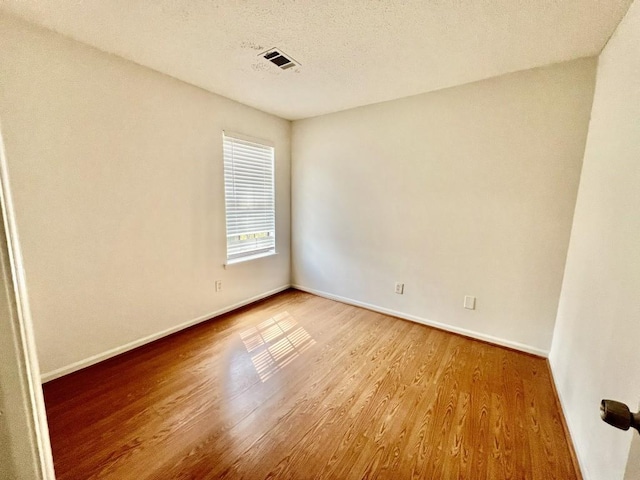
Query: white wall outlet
[470,302]
[218,285]
[399,288]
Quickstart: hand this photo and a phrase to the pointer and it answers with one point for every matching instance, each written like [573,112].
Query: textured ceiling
[352,52]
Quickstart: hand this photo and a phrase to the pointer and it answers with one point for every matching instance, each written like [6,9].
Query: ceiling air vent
[279,58]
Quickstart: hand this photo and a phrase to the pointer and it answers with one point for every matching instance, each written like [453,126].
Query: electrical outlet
[470,302]
[399,288]
[218,285]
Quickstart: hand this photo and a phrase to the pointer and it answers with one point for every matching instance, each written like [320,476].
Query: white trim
[24,336]
[441,326]
[246,258]
[581,461]
[155,336]
[248,138]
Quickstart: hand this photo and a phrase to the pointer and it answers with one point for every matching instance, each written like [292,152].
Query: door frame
[26,418]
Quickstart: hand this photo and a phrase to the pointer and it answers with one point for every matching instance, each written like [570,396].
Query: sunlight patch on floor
[275,343]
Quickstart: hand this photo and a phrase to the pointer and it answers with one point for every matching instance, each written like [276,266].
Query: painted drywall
[595,352]
[464,191]
[117,179]
[354,52]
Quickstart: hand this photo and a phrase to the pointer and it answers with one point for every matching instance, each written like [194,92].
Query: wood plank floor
[300,387]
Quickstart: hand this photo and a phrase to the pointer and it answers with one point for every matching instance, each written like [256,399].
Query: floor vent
[279,58]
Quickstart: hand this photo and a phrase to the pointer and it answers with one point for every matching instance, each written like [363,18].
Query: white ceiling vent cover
[279,58]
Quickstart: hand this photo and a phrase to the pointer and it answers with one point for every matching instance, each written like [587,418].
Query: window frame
[257,252]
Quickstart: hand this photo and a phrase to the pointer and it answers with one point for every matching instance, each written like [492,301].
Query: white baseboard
[570,431]
[45,377]
[441,326]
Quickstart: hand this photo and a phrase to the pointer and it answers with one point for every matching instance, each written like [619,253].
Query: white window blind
[249,198]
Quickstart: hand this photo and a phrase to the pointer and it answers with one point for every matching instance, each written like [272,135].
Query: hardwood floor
[301,387]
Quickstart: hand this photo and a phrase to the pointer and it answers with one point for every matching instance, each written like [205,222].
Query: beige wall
[117,178]
[596,353]
[464,191]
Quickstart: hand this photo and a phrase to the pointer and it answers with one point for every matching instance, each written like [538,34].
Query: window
[249,198]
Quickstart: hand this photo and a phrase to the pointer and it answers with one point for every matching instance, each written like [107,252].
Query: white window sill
[235,261]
